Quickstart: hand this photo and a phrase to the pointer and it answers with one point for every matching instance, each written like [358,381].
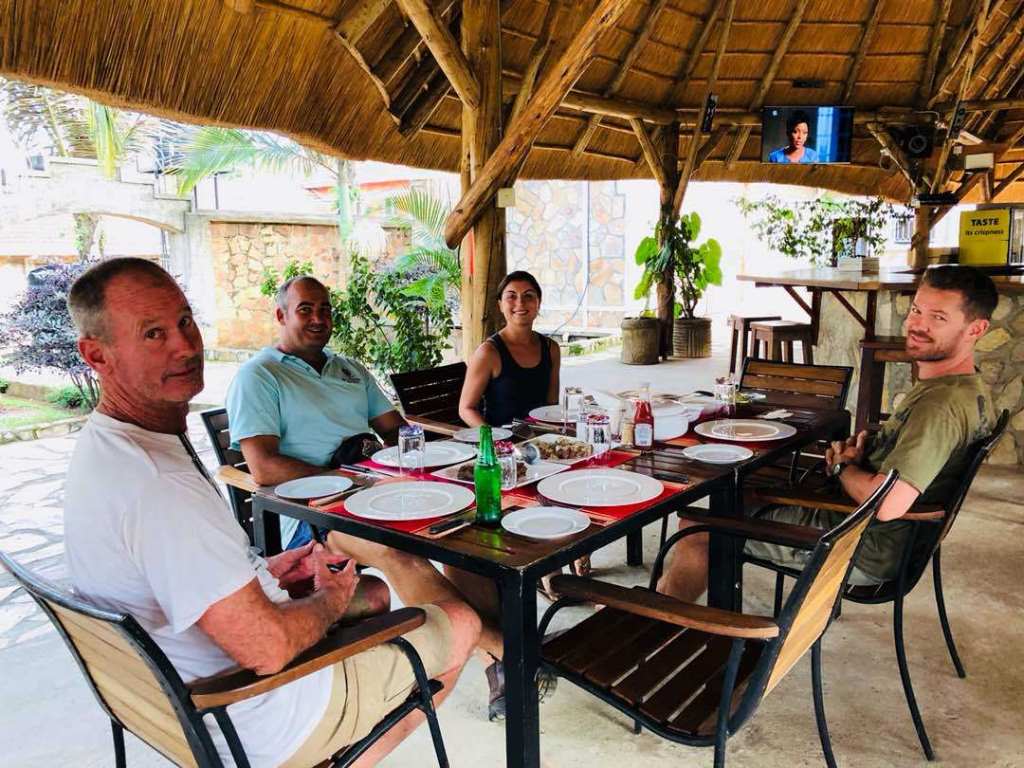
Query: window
[903,229]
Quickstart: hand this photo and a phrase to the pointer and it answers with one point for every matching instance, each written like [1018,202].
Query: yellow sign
[984,236]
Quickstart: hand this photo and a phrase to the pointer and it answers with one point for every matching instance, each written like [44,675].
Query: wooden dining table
[516,563]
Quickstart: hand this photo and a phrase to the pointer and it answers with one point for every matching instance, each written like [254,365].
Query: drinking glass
[599,433]
[507,461]
[617,419]
[411,445]
[726,389]
[571,398]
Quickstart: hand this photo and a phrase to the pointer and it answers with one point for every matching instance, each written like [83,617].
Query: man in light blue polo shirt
[290,407]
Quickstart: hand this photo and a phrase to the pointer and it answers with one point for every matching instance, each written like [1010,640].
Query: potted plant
[693,267]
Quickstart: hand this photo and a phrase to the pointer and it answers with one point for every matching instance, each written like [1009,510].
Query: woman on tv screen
[797,151]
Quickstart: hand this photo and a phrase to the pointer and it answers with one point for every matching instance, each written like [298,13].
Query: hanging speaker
[916,142]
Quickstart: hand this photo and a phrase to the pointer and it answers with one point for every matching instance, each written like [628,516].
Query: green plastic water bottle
[487,481]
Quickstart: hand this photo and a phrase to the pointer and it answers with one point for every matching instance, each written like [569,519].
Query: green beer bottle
[487,481]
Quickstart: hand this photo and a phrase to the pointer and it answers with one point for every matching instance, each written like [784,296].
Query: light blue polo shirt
[282,395]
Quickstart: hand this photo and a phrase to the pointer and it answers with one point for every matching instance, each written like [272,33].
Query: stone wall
[548,234]
[240,251]
[999,356]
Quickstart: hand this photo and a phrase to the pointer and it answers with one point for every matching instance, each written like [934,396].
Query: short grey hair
[282,291]
[86,299]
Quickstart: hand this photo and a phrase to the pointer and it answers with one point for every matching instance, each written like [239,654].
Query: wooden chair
[930,524]
[778,337]
[140,691]
[741,341]
[240,484]
[875,354]
[431,397]
[692,674]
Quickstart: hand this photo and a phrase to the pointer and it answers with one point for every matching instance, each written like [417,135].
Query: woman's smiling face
[519,303]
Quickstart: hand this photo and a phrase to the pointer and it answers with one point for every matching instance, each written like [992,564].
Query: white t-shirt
[148,535]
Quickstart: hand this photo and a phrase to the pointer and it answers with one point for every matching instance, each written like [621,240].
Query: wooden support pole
[694,143]
[649,151]
[711,142]
[483,255]
[1003,185]
[867,31]
[556,82]
[668,154]
[898,156]
[240,6]
[919,242]
[624,109]
[642,36]
[445,50]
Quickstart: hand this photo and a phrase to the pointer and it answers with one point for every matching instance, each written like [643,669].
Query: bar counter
[878,303]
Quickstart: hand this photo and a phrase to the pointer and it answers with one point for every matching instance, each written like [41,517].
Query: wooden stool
[778,337]
[874,354]
[740,325]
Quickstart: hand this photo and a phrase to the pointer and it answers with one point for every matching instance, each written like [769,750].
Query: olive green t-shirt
[927,439]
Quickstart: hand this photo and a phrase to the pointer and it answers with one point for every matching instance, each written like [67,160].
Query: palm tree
[427,215]
[210,150]
[65,125]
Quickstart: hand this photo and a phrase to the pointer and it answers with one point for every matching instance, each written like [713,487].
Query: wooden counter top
[833,279]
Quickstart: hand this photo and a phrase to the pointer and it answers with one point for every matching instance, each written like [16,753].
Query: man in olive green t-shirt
[927,439]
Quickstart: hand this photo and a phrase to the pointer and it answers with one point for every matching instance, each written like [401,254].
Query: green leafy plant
[820,230]
[672,251]
[4,385]
[439,285]
[376,321]
[69,397]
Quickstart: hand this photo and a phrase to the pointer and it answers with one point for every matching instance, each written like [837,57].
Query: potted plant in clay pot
[694,267]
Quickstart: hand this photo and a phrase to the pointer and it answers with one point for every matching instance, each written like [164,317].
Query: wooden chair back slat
[427,392]
[218,430]
[813,599]
[125,682]
[798,384]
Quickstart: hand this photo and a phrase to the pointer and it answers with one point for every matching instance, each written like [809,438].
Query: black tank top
[517,390]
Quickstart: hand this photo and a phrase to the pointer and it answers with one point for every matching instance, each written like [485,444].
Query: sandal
[547,682]
[581,566]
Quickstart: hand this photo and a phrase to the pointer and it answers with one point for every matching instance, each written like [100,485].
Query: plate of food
[525,473]
[562,449]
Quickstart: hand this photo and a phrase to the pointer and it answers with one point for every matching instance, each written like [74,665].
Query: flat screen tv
[806,134]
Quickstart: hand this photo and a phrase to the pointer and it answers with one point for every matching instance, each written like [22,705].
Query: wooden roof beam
[692,56]
[538,51]
[964,45]
[766,82]
[1003,185]
[898,156]
[981,20]
[711,142]
[524,130]
[938,33]
[642,36]
[693,144]
[867,30]
[648,150]
[445,49]
[360,17]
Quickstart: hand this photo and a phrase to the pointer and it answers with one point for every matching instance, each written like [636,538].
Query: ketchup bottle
[643,419]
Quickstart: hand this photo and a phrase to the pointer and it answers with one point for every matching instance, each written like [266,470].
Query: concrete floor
[47,712]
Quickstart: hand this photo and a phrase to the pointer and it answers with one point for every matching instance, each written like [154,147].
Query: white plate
[472,434]
[554,439]
[551,414]
[534,472]
[313,487]
[437,454]
[545,522]
[414,500]
[745,430]
[718,453]
[599,487]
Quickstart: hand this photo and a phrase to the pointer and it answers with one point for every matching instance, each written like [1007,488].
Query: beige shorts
[367,686]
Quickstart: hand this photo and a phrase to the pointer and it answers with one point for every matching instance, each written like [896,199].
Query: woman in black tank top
[516,369]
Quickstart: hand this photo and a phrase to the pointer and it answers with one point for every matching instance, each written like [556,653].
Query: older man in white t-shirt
[147,532]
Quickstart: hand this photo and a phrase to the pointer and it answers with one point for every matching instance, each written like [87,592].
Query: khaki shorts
[797,558]
[367,686]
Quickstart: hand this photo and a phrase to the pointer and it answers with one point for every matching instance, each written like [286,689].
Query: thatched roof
[354,78]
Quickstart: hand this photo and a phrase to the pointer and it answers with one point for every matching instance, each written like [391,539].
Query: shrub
[4,384]
[69,397]
[39,333]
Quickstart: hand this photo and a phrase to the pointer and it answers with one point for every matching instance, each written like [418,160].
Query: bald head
[298,281]
[87,298]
